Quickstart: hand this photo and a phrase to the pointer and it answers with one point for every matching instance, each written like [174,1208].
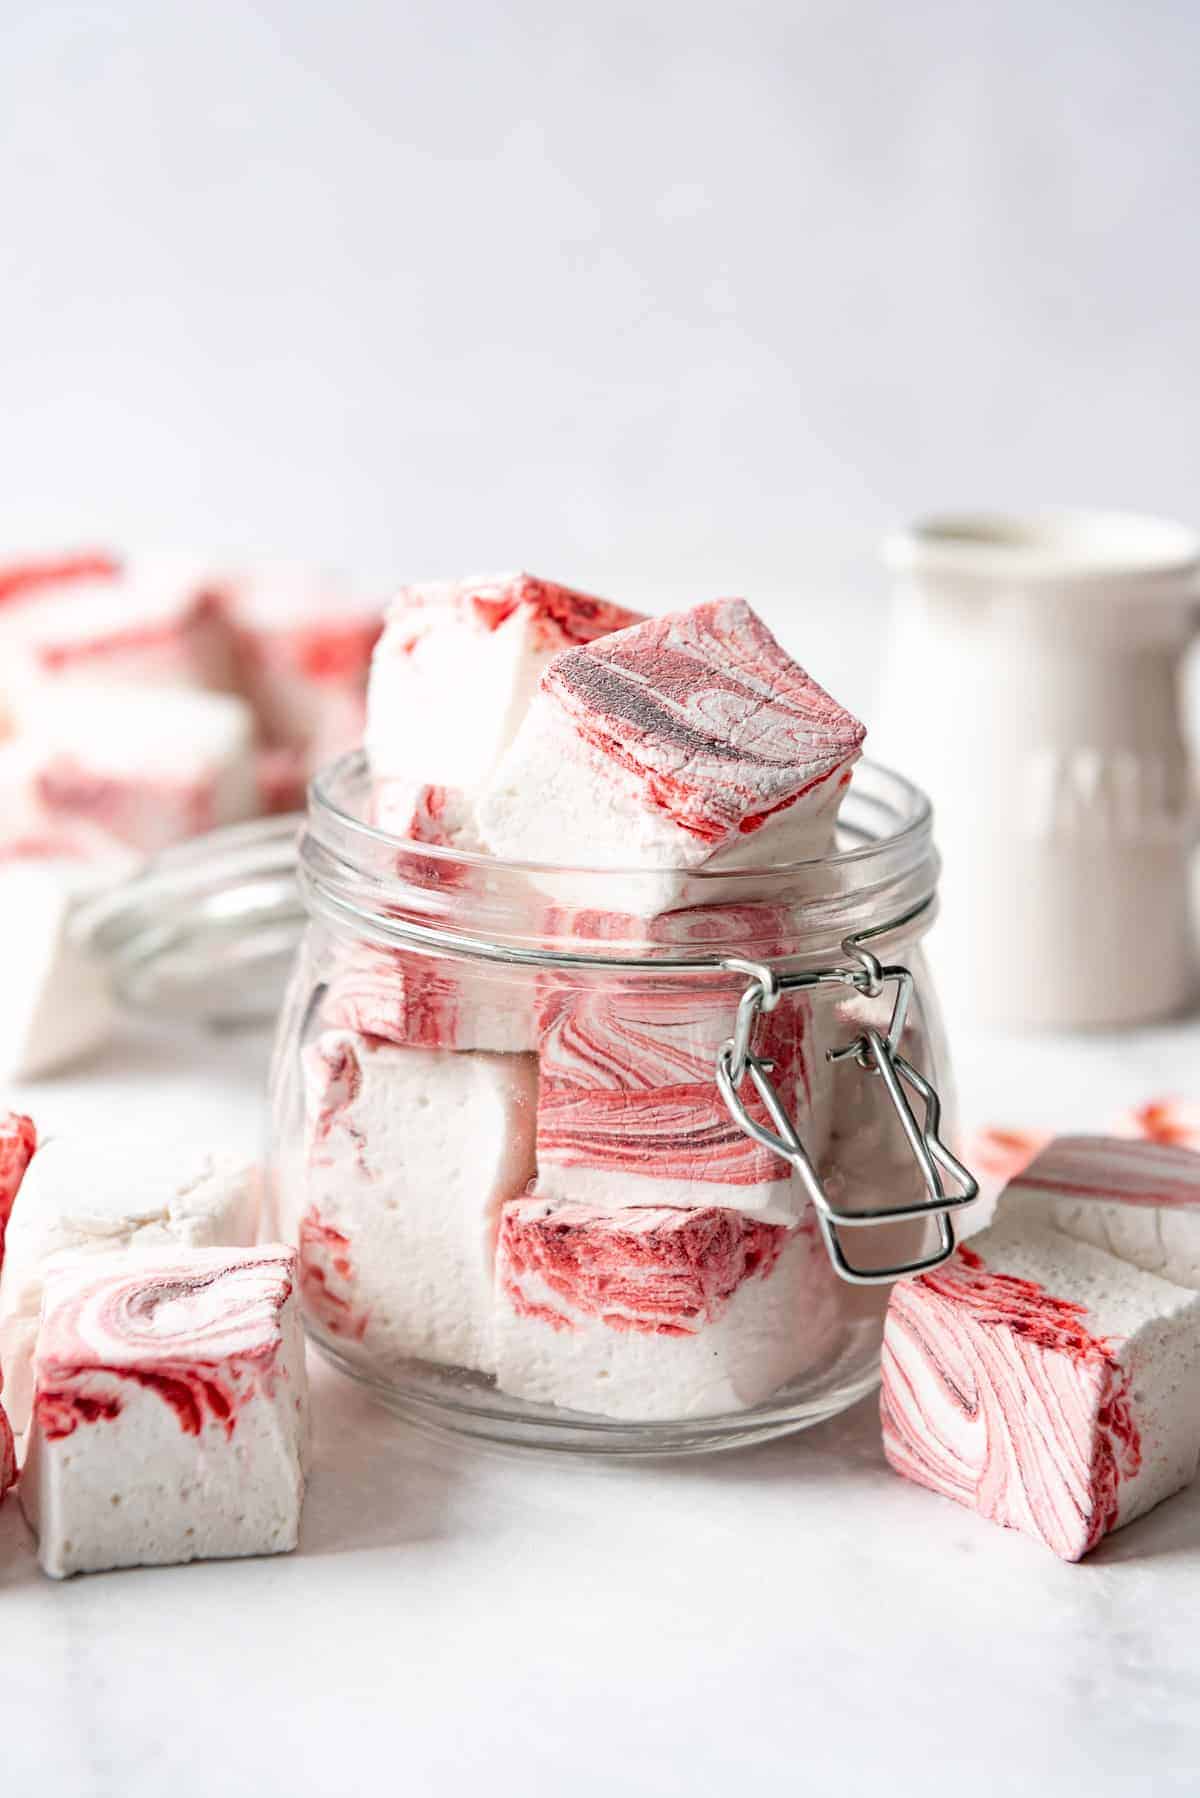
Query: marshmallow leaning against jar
[84,1197]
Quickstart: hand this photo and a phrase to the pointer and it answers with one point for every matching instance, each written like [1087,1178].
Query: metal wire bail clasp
[875,1053]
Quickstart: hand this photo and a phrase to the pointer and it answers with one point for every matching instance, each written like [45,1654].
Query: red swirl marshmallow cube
[1043,1384]
[1139,1200]
[684,744]
[652,1313]
[410,1155]
[156,622]
[83,1197]
[457,665]
[303,642]
[629,1112]
[170,1419]
[149,767]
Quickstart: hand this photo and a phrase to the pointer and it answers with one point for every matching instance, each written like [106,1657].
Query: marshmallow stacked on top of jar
[550,1191]
[143,701]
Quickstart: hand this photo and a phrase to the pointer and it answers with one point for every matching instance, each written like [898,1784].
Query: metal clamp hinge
[876,1053]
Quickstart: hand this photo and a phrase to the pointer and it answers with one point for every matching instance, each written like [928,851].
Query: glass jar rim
[207,930]
[882,874]
[911,806]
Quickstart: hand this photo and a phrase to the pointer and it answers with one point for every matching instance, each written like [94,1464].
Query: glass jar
[563,1173]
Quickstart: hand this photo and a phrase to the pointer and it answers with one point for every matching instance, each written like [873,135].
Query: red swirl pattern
[327,1277]
[714,721]
[146,812]
[205,1341]
[657,1271]
[21,580]
[1125,1170]
[559,616]
[627,1083]
[18,1140]
[996,1394]
[392,994]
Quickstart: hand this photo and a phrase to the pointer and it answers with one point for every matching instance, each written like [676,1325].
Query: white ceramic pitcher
[1033,688]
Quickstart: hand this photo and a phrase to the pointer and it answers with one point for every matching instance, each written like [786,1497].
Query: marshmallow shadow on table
[376,1482]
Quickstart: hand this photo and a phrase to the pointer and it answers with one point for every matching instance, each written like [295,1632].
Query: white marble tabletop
[790,1618]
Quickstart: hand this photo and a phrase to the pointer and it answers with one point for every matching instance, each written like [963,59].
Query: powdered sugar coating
[709,716]
[1137,1199]
[682,747]
[85,1198]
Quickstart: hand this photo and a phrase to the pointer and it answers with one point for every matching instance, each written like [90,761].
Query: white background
[666,298]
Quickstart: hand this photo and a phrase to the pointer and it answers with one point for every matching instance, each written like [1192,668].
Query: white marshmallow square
[457,665]
[410,1155]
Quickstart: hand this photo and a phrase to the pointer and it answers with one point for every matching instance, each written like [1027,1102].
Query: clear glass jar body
[521,1206]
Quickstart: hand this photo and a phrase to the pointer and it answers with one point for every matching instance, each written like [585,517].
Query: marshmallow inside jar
[584,1114]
